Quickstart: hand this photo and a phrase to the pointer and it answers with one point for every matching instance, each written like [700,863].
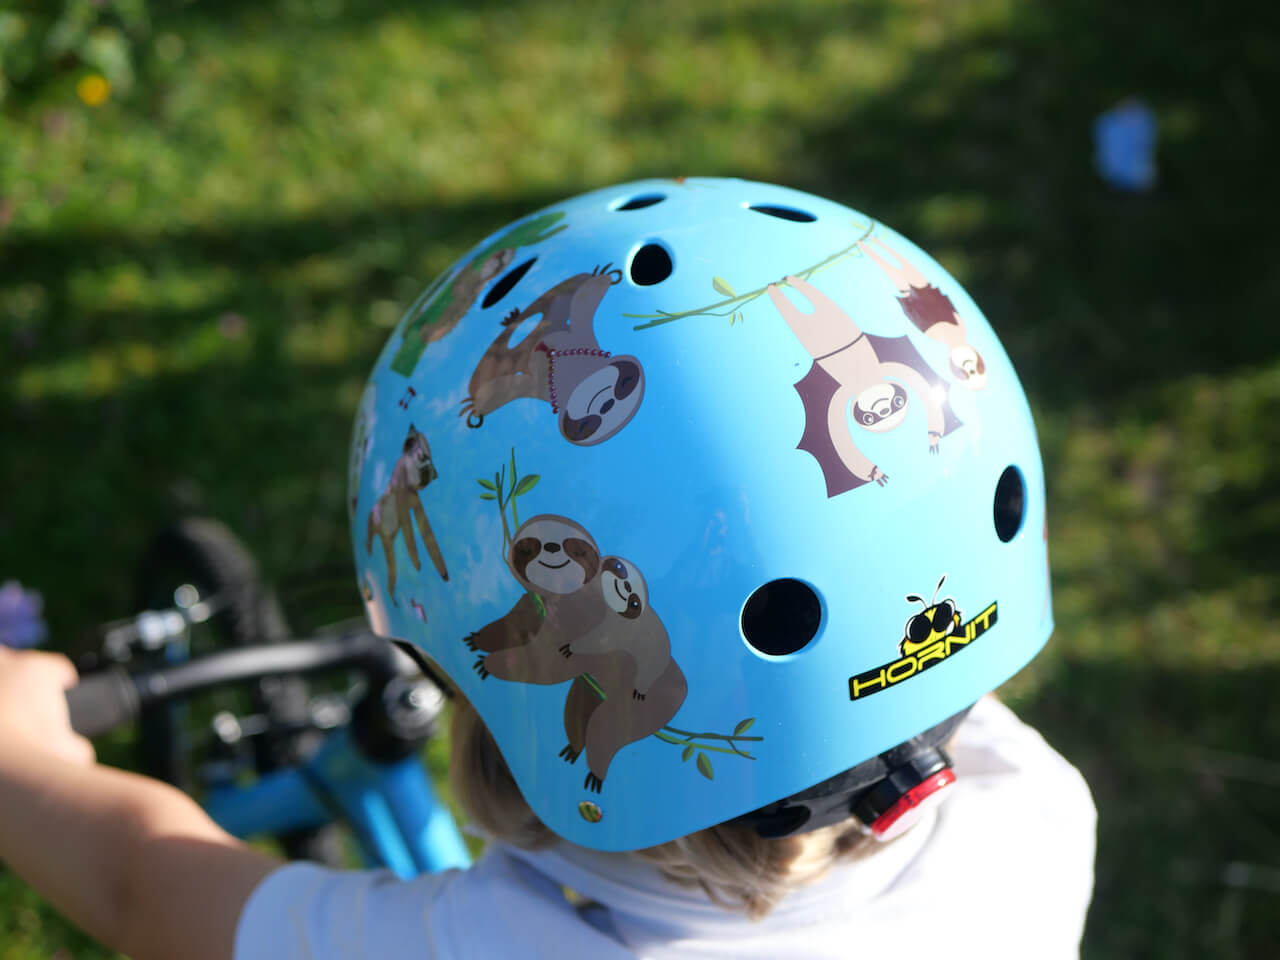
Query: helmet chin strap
[886,794]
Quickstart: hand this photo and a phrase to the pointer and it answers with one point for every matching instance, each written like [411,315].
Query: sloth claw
[480,667]
[565,651]
[592,782]
[570,755]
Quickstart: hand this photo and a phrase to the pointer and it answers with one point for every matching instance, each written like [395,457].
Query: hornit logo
[928,638]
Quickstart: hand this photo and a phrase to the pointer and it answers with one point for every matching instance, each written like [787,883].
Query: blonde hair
[735,866]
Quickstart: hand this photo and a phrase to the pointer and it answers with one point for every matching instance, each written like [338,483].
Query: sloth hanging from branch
[593,393]
[930,310]
[871,372]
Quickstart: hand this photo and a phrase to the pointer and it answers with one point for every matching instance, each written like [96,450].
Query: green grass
[195,278]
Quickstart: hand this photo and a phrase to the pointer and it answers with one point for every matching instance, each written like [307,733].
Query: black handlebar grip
[102,702]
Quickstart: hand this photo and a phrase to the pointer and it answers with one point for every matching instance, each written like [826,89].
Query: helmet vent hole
[503,286]
[781,617]
[650,264]
[1010,504]
[641,201]
[783,213]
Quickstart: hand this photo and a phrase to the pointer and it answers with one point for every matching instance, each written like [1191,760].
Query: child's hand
[33,705]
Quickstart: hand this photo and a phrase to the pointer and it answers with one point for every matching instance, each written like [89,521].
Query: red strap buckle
[912,805]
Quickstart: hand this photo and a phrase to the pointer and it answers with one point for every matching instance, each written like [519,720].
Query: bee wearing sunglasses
[934,622]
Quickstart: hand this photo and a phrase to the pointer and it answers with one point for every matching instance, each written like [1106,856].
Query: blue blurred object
[20,622]
[1125,141]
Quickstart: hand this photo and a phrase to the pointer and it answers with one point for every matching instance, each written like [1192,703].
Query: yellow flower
[93,89]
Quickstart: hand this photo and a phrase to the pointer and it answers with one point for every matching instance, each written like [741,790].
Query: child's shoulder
[1013,849]
[500,906]
[994,748]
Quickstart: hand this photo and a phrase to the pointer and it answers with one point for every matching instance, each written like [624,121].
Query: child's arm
[133,861]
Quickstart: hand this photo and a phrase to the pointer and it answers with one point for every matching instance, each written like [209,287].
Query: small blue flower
[20,622]
[1125,143]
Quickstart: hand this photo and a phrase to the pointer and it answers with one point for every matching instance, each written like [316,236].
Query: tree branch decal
[691,743]
[733,303]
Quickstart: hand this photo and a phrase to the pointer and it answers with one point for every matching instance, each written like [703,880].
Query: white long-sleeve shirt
[1003,869]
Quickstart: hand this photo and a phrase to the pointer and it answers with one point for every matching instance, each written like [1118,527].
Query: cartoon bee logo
[934,622]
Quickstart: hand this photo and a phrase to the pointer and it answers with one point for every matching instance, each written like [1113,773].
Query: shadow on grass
[382,246]
[249,434]
[1183,792]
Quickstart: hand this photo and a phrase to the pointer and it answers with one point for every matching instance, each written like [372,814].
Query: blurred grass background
[211,214]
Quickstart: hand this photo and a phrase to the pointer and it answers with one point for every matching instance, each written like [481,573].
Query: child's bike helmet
[731,504]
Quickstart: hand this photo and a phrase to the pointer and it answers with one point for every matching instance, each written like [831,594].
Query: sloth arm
[581,317]
[912,378]
[538,661]
[518,627]
[904,276]
[428,537]
[842,436]
[404,522]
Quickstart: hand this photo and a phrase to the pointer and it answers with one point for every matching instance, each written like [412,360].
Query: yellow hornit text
[882,678]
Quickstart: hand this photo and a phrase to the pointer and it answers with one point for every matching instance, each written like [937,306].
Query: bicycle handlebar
[103,701]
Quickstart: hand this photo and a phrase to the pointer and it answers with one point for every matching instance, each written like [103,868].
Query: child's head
[697,612]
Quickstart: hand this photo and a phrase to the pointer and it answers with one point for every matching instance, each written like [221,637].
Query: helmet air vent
[641,201]
[781,617]
[783,213]
[503,286]
[650,264]
[1010,505]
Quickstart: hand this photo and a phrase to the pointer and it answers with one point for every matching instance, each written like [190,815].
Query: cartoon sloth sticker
[446,302]
[396,509]
[465,288]
[597,631]
[877,375]
[931,311]
[935,621]
[593,393]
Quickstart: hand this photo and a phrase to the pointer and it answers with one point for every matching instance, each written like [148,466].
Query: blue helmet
[723,489]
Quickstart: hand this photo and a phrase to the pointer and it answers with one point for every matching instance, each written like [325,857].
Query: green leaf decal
[488,496]
[722,286]
[527,483]
[487,484]
[688,752]
[744,726]
[735,318]
[704,766]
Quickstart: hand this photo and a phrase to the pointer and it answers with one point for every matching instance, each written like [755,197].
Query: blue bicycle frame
[393,810]
[381,789]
